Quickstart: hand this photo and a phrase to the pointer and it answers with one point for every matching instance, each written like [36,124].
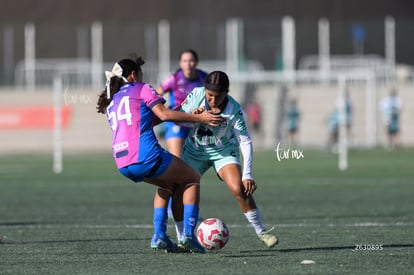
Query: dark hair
[132,64]
[217,81]
[193,53]
[115,83]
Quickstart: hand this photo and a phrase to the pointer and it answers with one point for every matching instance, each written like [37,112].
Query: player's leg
[231,175]
[200,167]
[175,206]
[390,135]
[393,132]
[179,173]
[175,145]
[141,172]
[179,210]
[160,239]
[175,136]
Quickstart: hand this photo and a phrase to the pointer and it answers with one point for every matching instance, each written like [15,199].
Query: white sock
[179,227]
[254,218]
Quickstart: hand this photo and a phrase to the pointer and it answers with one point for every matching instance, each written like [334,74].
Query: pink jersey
[131,120]
[179,87]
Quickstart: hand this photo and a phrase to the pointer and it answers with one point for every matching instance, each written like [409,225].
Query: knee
[238,193]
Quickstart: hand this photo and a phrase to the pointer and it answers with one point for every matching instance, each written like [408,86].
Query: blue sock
[160,221]
[190,219]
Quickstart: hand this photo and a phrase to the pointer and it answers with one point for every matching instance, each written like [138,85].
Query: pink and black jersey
[131,119]
[179,86]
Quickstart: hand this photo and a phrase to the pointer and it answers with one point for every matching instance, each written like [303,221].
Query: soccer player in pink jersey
[133,108]
[179,85]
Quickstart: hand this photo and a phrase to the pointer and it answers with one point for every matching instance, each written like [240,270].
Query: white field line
[150,226]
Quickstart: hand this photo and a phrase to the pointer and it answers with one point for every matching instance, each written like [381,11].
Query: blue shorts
[137,172]
[173,130]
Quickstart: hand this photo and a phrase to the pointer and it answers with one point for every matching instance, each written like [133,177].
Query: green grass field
[91,220]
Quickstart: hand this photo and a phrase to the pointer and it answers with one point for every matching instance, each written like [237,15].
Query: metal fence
[73,49]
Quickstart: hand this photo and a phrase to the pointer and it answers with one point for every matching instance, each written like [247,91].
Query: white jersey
[390,105]
[207,142]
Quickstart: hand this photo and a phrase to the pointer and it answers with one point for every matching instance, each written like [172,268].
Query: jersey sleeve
[168,84]
[150,96]
[191,101]
[246,146]
[189,104]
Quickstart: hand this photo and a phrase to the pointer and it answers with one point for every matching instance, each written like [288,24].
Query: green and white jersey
[212,143]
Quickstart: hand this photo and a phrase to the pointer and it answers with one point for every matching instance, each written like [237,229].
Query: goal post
[57,125]
[342,133]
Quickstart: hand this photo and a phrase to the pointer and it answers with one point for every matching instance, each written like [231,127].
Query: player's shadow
[271,252]
[18,223]
[18,242]
[74,241]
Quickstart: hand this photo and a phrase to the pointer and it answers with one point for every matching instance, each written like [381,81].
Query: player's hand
[199,110]
[249,186]
[210,119]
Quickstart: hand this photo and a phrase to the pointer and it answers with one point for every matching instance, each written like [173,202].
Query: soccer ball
[212,234]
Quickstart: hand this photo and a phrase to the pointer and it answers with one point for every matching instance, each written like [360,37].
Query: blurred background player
[349,111]
[254,114]
[333,126]
[179,85]
[391,107]
[219,147]
[293,116]
[132,108]
[335,119]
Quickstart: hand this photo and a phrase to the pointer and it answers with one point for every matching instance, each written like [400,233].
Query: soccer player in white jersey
[219,147]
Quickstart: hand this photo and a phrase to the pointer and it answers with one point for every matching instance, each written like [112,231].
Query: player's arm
[246,145]
[190,106]
[167,85]
[246,148]
[157,120]
[165,114]
[160,90]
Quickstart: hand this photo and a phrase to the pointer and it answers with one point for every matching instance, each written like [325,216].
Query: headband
[216,88]
[116,71]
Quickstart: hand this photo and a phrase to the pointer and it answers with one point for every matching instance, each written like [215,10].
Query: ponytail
[115,83]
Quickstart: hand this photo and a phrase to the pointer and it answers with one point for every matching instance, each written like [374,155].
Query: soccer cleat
[163,243]
[268,239]
[182,249]
[190,244]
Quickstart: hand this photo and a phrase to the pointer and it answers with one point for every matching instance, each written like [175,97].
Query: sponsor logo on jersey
[204,136]
[120,146]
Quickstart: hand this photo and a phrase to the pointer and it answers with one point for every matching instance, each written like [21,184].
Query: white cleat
[268,239]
